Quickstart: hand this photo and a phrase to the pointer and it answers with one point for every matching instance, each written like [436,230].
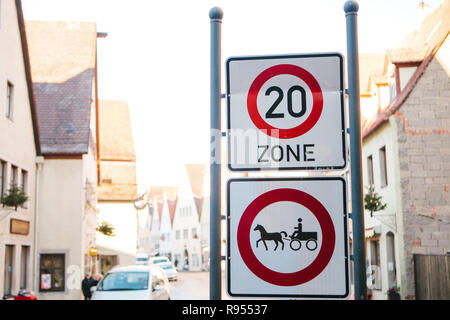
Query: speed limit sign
[286,112]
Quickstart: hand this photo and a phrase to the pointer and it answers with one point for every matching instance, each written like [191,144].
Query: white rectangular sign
[287,237]
[286,112]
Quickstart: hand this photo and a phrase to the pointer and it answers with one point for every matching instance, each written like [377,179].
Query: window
[9,100]
[185,233]
[370,170]
[14,172]
[383,168]
[24,184]
[177,234]
[9,270]
[2,177]
[124,280]
[24,180]
[194,233]
[51,273]
[375,264]
[24,267]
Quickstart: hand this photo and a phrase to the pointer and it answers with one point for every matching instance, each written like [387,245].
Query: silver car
[170,271]
[133,283]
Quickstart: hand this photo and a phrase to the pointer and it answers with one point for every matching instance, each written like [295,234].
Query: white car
[157,260]
[133,283]
[141,259]
[169,270]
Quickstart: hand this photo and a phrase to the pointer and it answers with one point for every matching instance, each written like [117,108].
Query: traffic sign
[287,237]
[286,112]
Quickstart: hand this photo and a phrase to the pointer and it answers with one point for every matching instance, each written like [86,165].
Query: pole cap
[216,13]
[351,6]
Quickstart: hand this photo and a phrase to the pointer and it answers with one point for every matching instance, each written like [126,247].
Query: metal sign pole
[215,274]
[351,12]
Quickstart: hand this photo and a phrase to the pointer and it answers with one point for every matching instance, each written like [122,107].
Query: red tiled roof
[381,117]
[117,181]
[172,204]
[115,134]
[427,41]
[160,209]
[419,43]
[62,59]
[371,65]
[197,174]
[116,152]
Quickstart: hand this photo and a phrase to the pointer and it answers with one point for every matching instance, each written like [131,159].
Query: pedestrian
[97,279]
[86,285]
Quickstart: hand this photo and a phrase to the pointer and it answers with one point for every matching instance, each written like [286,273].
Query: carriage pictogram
[295,239]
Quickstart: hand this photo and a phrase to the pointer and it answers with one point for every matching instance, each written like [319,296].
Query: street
[195,286]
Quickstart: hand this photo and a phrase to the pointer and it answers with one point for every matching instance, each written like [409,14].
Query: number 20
[270,113]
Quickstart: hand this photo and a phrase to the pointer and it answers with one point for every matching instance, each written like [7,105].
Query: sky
[156,56]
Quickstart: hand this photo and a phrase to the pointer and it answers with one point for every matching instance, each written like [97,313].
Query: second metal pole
[215,273]
[359,253]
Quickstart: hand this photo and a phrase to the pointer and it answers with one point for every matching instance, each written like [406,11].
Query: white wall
[405,75]
[165,230]
[122,216]
[16,140]
[388,219]
[60,212]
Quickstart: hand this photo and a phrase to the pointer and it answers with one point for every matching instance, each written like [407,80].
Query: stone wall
[423,123]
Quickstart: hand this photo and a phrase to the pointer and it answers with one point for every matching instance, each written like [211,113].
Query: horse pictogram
[275,236]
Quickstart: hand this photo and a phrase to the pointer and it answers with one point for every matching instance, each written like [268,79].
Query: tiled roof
[158,192]
[371,67]
[117,181]
[116,153]
[419,43]
[115,134]
[62,59]
[197,174]
[160,209]
[172,204]
[434,30]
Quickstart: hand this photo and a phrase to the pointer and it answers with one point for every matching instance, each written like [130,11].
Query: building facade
[117,189]
[19,148]
[186,246]
[405,149]
[63,70]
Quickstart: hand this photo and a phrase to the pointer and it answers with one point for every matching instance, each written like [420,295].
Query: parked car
[142,259]
[169,270]
[133,283]
[157,260]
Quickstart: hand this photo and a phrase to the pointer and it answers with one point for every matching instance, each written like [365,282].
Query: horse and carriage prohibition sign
[287,237]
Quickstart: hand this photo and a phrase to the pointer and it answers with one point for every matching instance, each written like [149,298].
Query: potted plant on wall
[394,293]
[15,197]
[106,229]
[372,201]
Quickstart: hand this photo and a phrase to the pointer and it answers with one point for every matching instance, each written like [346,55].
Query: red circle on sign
[296,71]
[279,278]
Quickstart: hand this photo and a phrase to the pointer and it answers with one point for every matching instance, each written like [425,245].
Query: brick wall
[423,124]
